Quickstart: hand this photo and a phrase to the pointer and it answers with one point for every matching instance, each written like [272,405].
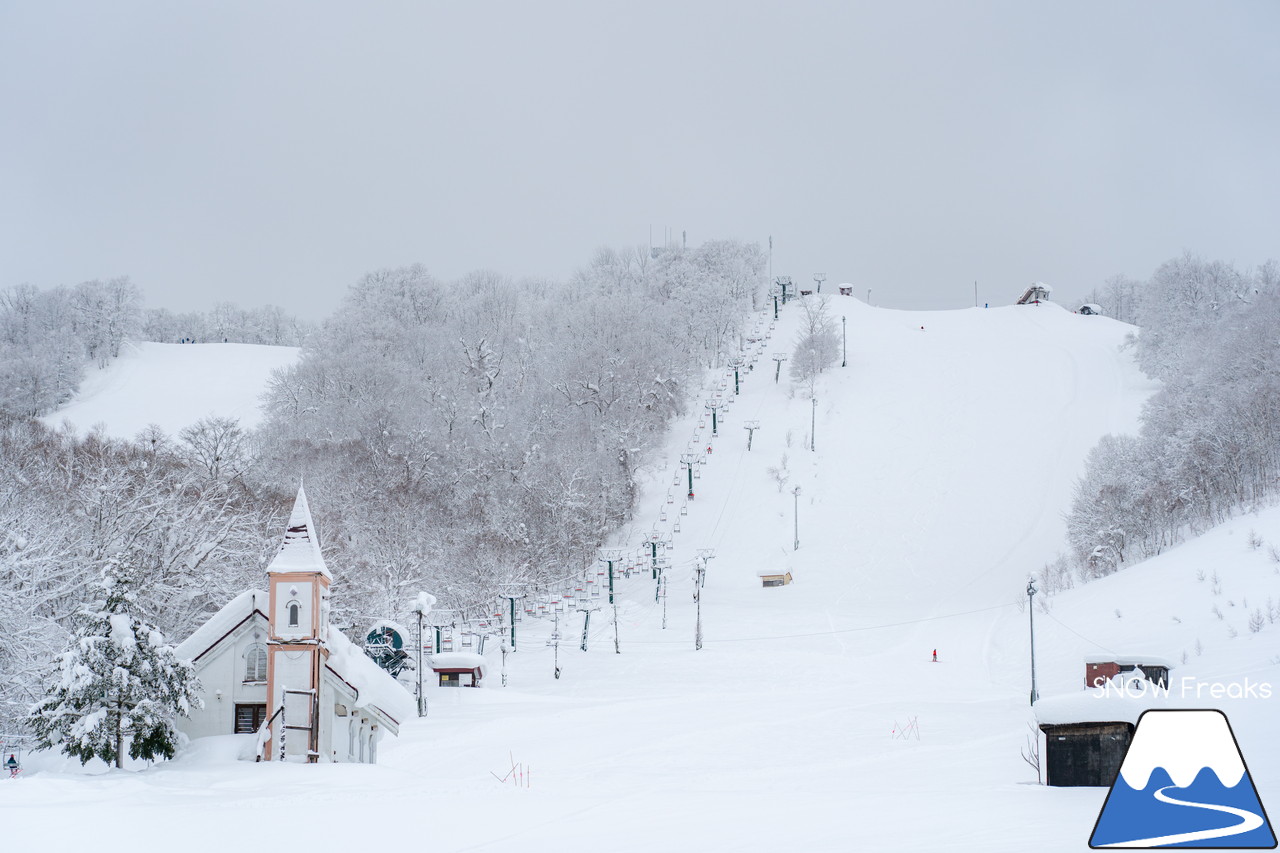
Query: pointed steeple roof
[300,550]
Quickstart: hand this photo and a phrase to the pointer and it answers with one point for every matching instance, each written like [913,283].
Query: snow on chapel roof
[374,685]
[300,550]
[226,620]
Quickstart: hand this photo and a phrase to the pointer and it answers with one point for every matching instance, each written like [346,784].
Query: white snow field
[813,718]
[173,386]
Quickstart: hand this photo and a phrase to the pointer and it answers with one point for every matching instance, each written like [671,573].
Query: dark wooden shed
[1084,754]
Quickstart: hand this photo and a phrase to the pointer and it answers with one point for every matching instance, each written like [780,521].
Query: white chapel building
[269,663]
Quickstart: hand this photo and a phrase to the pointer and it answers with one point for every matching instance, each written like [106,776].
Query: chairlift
[662,516]
[676,528]
[468,640]
[684,509]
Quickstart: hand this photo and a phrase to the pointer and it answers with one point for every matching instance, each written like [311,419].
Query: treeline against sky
[48,338]
[1209,445]
[455,437]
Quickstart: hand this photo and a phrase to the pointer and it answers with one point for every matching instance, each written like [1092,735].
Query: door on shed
[1089,758]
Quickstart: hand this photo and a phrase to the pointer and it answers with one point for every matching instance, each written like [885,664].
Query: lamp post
[813,426]
[844,344]
[422,699]
[422,606]
[796,492]
[1031,613]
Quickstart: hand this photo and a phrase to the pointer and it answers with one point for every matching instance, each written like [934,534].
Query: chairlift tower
[751,427]
[784,282]
[779,357]
[699,583]
[554,641]
[819,278]
[713,405]
[611,556]
[689,460]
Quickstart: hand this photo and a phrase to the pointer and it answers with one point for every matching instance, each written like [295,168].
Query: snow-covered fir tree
[119,680]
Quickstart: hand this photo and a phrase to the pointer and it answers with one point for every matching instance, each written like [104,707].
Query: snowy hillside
[174,385]
[813,718]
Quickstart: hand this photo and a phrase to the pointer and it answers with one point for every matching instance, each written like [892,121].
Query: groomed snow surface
[814,718]
[173,386]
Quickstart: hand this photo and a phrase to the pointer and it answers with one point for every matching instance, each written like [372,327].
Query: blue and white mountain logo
[1183,783]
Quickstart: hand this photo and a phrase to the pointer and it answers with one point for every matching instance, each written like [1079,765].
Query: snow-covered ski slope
[813,718]
[173,386]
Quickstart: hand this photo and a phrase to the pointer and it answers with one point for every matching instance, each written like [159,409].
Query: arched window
[255,664]
[294,610]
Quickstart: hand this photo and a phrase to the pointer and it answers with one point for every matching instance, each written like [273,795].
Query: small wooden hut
[458,669]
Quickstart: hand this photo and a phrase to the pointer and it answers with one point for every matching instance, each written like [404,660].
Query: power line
[1077,633]
[828,633]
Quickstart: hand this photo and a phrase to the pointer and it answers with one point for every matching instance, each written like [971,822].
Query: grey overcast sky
[273,152]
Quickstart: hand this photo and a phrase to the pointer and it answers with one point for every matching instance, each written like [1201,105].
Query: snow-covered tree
[1210,440]
[817,344]
[119,680]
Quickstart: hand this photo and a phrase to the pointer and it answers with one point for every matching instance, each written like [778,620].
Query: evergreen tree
[119,680]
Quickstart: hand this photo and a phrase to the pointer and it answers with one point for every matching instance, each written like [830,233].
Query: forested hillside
[1210,440]
[455,436]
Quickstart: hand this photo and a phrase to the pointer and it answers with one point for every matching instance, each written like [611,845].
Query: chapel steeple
[299,627]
